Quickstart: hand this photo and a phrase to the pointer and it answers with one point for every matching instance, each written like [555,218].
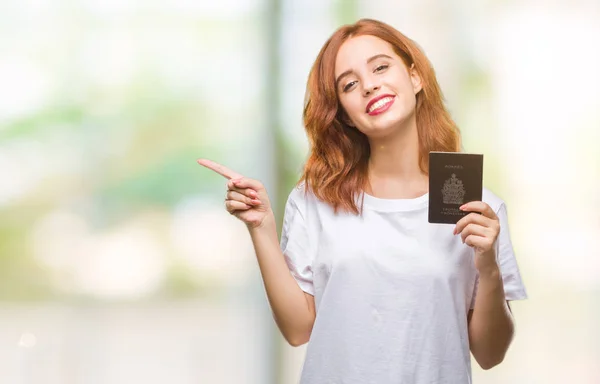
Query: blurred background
[118,262]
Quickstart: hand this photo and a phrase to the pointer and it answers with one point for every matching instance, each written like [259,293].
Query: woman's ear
[416,79]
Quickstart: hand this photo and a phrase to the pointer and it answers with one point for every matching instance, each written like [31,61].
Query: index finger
[479,206]
[220,169]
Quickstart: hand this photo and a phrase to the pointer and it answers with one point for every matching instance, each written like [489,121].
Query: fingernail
[256,201]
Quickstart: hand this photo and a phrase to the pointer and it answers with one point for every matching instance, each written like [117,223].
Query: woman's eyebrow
[346,73]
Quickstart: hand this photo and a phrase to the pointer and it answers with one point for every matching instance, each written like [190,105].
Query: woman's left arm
[491,325]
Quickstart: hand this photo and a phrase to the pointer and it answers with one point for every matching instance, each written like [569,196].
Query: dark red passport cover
[455,178]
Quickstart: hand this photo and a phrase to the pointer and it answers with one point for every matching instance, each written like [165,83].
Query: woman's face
[374,86]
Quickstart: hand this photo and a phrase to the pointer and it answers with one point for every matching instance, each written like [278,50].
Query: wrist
[490,272]
[267,224]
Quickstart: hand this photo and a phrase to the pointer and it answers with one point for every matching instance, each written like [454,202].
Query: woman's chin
[385,128]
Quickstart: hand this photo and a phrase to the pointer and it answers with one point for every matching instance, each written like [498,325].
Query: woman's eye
[349,85]
[381,68]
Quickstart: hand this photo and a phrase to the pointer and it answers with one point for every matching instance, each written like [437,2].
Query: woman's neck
[393,169]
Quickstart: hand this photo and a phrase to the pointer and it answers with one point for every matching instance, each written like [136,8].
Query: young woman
[380,295]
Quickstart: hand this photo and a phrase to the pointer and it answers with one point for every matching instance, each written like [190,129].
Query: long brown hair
[336,169]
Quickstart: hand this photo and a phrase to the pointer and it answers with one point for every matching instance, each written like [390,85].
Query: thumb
[245,182]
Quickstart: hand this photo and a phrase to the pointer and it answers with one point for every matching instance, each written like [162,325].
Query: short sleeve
[514,288]
[295,243]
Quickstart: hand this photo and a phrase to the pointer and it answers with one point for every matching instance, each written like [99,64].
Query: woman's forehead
[357,50]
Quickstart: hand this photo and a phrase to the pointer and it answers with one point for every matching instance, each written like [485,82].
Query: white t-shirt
[392,291]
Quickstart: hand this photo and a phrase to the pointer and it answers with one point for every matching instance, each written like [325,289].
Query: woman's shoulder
[298,192]
[301,196]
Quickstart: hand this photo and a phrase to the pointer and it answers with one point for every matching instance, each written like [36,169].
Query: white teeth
[380,104]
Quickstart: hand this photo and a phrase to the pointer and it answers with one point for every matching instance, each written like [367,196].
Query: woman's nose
[370,88]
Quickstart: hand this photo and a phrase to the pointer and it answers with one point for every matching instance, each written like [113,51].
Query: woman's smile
[380,104]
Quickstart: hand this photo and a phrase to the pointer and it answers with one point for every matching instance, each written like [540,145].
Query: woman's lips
[381,105]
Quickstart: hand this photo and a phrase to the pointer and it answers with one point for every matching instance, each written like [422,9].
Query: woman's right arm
[293,309]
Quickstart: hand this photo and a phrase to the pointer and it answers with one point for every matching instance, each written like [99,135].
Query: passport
[455,178]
